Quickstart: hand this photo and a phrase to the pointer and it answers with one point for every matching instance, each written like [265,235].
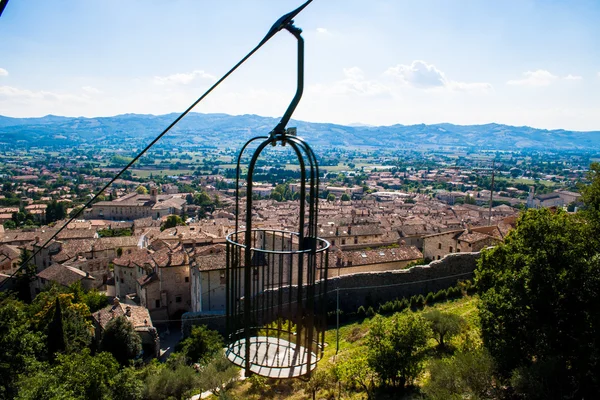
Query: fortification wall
[372,288]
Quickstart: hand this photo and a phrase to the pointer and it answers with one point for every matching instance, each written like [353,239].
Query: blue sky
[377,62]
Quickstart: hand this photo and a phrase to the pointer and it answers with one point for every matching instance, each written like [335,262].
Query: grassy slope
[352,337]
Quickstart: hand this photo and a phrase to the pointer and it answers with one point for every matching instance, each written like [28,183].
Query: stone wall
[373,288]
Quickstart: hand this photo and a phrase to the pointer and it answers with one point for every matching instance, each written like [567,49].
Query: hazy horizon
[352,124]
[522,63]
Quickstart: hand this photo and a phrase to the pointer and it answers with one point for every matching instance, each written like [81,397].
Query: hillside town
[175,270]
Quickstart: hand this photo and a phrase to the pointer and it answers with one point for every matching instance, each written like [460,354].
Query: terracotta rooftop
[63,274]
[138,315]
[377,256]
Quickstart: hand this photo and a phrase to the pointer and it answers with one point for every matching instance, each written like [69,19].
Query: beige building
[165,290]
[62,275]
[208,279]
[351,234]
[9,257]
[134,206]
[438,245]
[382,259]
[138,317]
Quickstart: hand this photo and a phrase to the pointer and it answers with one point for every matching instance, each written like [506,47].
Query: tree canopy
[121,340]
[540,308]
[396,347]
[201,345]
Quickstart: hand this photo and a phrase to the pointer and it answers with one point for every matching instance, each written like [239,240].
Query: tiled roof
[63,274]
[146,279]
[134,257]
[377,256]
[169,258]
[472,237]
[138,315]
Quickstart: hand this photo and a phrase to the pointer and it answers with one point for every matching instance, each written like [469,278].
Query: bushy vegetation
[49,352]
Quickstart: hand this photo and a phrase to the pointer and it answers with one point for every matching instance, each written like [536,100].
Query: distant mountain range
[214,129]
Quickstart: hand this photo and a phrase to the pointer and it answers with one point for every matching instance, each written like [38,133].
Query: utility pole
[492,190]
[337,320]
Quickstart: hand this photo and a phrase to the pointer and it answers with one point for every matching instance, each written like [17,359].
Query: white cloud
[322,30]
[24,95]
[420,74]
[573,77]
[540,77]
[182,78]
[470,87]
[91,90]
[3,72]
[354,82]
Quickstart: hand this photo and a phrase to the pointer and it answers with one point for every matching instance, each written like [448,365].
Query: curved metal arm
[280,128]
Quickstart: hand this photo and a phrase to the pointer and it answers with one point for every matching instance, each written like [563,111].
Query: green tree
[539,305]
[166,382]
[331,197]
[172,221]
[127,385]
[355,372]
[201,345]
[590,195]
[218,375]
[55,211]
[56,334]
[121,340]
[10,224]
[20,344]
[76,326]
[94,299]
[345,197]
[78,376]
[25,275]
[141,190]
[320,379]
[466,375]
[202,199]
[396,347]
[444,325]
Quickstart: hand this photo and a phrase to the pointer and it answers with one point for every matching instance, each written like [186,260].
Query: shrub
[370,312]
[444,325]
[420,301]
[201,345]
[429,299]
[362,312]
[467,375]
[121,340]
[454,293]
[413,302]
[396,347]
[441,295]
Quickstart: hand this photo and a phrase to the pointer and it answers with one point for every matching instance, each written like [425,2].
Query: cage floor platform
[272,357]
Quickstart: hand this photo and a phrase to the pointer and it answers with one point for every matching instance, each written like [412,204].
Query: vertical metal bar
[337,319]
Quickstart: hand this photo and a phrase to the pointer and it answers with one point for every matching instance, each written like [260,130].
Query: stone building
[9,257]
[156,278]
[208,280]
[438,245]
[134,206]
[128,268]
[63,275]
[351,234]
[165,289]
[138,317]
[371,260]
